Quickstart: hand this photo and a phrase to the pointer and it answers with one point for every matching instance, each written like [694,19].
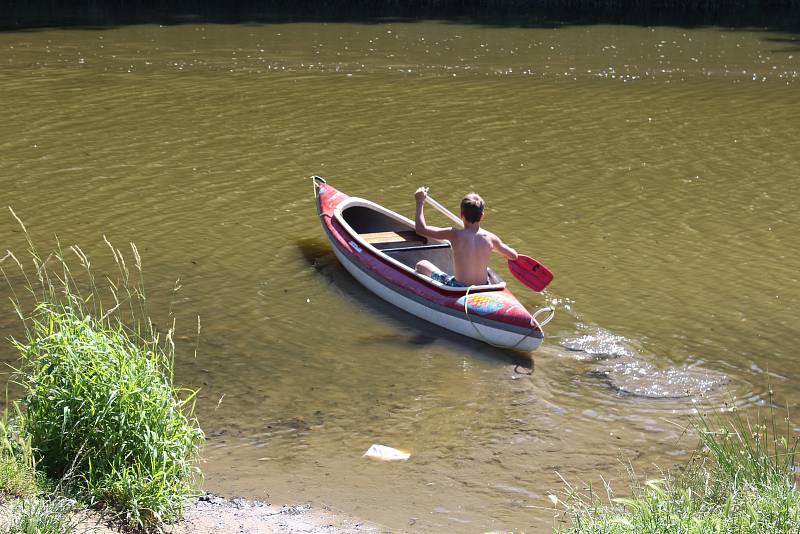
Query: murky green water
[654,170]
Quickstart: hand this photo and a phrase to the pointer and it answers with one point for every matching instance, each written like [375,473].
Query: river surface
[654,170]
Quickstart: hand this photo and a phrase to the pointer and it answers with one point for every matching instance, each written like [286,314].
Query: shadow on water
[319,256]
[789,45]
[748,14]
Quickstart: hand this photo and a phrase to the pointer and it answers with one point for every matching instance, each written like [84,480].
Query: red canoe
[380,249]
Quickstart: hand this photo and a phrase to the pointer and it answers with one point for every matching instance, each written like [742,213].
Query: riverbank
[212,513]
[215,514]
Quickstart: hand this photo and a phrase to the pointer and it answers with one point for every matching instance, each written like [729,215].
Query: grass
[99,416]
[44,515]
[21,485]
[103,414]
[741,479]
[18,475]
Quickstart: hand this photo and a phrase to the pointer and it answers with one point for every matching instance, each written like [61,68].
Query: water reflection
[415,331]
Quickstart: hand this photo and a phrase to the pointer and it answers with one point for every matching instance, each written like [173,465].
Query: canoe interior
[385,232]
[365,220]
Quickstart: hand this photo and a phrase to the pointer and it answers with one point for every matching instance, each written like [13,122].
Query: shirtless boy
[472,246]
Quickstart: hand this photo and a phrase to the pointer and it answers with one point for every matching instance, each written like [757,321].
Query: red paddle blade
[530,272]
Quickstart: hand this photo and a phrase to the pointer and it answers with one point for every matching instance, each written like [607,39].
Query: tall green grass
[99,409]
[742,479]
[103,415]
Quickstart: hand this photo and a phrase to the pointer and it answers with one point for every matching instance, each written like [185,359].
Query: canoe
[380,248]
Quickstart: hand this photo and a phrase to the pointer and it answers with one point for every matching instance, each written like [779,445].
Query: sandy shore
[214,514]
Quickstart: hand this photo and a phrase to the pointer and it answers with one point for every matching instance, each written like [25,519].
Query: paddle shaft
[444,210]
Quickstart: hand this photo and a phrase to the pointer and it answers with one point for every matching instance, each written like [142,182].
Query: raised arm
[419,219]
[502,248]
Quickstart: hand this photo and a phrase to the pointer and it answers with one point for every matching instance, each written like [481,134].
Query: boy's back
[472,246]
[471,253]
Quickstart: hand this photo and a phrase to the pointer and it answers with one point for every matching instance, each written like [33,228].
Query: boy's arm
[502,248]
[419,219]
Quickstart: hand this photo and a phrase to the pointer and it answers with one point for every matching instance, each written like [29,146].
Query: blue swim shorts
[446,279]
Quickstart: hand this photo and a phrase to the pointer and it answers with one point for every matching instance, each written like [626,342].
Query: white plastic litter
[382,452]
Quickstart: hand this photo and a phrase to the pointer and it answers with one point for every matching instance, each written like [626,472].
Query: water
[654,170]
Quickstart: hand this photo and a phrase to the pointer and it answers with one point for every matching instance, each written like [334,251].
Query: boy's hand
[420,194]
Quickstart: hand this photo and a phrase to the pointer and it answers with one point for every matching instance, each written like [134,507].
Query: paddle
[526,269]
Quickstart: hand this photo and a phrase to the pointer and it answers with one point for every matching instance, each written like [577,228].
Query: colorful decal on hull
[482,304]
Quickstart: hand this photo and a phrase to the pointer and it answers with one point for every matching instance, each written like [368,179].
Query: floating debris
[382,452]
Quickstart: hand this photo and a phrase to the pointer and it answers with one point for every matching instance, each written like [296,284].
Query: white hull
[493,336]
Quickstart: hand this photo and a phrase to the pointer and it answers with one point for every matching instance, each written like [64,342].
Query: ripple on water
[599,343]
[634,376]
[628,369]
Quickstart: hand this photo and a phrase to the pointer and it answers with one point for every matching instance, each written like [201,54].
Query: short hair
[472,206]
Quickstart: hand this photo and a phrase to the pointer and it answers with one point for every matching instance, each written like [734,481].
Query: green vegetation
[743,479]
[18,475]
[102,413]
[32,512]
[100,419]
[43,515]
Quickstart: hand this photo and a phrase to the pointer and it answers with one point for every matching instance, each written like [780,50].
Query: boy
[472,246]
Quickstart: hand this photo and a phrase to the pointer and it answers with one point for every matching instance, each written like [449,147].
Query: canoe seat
[401,239]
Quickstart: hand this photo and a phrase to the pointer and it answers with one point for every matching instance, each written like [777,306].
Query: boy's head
[472,207]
